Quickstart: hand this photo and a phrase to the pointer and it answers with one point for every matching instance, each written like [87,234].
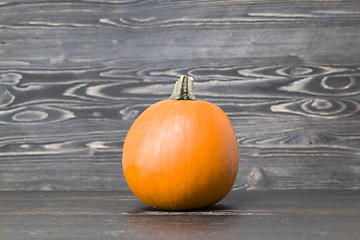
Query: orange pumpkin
[181,153]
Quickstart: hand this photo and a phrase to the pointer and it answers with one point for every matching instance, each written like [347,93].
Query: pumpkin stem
[184,89]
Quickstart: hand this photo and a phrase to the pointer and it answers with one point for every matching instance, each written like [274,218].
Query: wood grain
[300,214]
[75,75]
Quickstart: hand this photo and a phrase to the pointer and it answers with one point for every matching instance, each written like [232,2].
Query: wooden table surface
[305,214]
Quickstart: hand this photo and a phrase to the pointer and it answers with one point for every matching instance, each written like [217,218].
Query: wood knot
[257,179]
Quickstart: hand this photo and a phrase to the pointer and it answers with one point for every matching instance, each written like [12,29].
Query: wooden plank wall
[74,75]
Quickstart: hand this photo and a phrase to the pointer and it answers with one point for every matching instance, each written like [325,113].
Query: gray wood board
[74,75]
[299,214]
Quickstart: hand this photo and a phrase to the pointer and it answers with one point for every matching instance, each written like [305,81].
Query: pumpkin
[181,153]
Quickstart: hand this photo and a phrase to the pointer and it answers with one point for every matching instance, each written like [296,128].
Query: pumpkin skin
[181,155]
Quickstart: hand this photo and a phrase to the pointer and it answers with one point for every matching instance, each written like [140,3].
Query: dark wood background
[74,75]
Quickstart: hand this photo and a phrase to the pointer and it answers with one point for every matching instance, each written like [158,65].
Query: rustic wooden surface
[299,214]
[75,74]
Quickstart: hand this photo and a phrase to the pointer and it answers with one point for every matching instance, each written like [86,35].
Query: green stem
[184,89]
